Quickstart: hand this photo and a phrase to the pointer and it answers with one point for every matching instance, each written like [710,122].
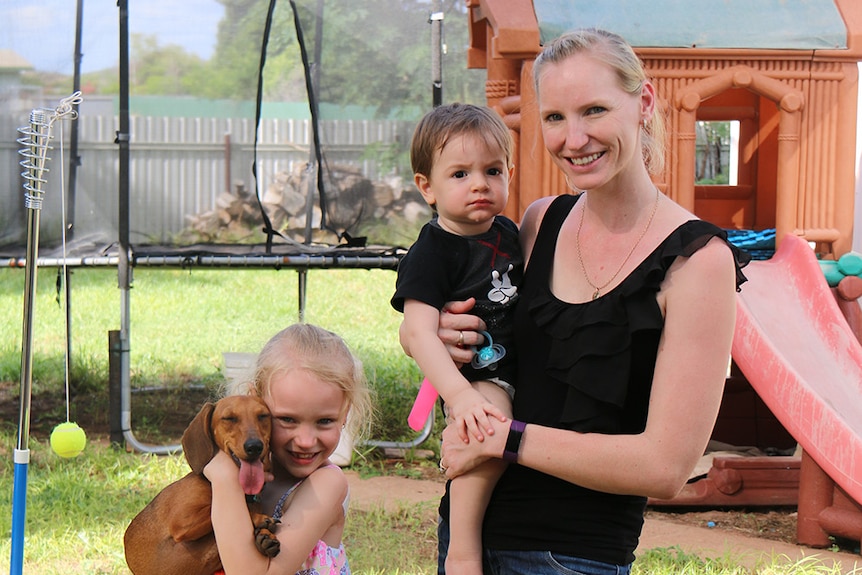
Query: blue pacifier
[489,354]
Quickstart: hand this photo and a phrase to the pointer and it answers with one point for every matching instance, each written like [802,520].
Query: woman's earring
[645,123]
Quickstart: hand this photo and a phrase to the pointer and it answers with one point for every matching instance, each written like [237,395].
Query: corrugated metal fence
[178,168]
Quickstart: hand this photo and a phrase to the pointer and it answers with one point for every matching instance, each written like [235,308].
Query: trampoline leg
[302,285]
[415,442]
[115,401]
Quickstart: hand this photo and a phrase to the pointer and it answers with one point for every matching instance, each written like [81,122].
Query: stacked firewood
[352,200]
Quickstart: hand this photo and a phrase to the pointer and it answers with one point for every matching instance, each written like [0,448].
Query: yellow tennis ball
[68,440]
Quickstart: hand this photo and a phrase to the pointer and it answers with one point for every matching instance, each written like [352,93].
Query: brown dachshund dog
[173,534]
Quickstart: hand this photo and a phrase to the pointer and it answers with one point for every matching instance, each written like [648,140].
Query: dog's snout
[253,448]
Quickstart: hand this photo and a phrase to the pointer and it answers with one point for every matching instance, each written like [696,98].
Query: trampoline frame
[124,257]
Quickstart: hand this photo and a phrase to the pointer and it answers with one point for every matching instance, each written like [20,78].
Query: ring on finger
[460,339]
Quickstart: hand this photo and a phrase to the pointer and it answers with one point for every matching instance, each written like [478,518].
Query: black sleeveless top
[586,367]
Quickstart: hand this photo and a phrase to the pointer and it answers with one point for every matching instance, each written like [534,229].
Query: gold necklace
[613,277]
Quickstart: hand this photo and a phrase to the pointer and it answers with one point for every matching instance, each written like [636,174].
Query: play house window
[717,154]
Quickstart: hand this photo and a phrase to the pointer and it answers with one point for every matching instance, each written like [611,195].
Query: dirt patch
[765,523]
[159,415]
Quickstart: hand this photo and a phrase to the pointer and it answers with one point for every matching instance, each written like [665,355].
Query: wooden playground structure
[796,109]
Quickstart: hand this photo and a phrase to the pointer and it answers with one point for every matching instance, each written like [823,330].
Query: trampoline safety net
[256,128]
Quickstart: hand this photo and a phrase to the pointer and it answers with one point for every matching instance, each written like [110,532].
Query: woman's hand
[458,456]
[457,329]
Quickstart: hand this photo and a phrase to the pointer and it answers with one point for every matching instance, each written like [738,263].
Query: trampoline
[290,168]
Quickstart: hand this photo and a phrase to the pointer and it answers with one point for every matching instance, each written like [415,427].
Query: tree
[374,54]
[712,139]
[163,70]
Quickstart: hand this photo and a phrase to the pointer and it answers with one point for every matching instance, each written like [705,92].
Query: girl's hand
[220,468]
[458,457]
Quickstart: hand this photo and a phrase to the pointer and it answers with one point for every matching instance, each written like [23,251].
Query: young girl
[310,380]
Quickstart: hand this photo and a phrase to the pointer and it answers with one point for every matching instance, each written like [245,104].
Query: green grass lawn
[181,324]
[183,321]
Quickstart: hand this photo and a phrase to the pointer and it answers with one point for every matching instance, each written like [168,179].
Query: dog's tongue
[251,477]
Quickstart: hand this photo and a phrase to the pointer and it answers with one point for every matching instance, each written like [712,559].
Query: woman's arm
[316,507]
[699,300]
[529,227]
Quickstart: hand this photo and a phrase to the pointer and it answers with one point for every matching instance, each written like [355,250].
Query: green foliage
[167,70]
[373,54]
[391,157]
[235,64]
[712,139]
[718,180]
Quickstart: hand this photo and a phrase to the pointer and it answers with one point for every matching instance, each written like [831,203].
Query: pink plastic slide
[798,352]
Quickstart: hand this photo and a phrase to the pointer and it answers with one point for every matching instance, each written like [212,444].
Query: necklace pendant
[596,294]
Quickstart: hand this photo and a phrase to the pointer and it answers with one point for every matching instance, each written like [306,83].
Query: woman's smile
[585,160]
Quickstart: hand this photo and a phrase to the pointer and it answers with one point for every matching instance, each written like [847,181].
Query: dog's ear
[198,445]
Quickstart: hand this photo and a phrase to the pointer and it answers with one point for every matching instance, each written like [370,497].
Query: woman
[623,331]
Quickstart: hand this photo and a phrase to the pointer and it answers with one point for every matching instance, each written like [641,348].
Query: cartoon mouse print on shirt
[502,290]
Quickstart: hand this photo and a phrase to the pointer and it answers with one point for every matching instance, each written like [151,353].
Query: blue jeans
[496,562]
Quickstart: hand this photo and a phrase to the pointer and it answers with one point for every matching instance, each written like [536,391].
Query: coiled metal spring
[36,138]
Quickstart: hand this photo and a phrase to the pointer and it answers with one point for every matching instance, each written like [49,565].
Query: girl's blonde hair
[613,50]
[326,356]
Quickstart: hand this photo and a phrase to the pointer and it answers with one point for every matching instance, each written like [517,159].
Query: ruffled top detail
[595,346]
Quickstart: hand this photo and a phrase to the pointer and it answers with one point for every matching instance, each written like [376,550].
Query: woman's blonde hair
[325,355]
[613,50]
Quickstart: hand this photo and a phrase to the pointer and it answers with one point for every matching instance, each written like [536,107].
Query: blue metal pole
[36,138]
[19,511]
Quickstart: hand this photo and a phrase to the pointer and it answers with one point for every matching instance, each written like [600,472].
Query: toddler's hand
[469,411]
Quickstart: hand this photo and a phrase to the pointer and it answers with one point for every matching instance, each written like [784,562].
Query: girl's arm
[316,508]
[699,299]
[466,406]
